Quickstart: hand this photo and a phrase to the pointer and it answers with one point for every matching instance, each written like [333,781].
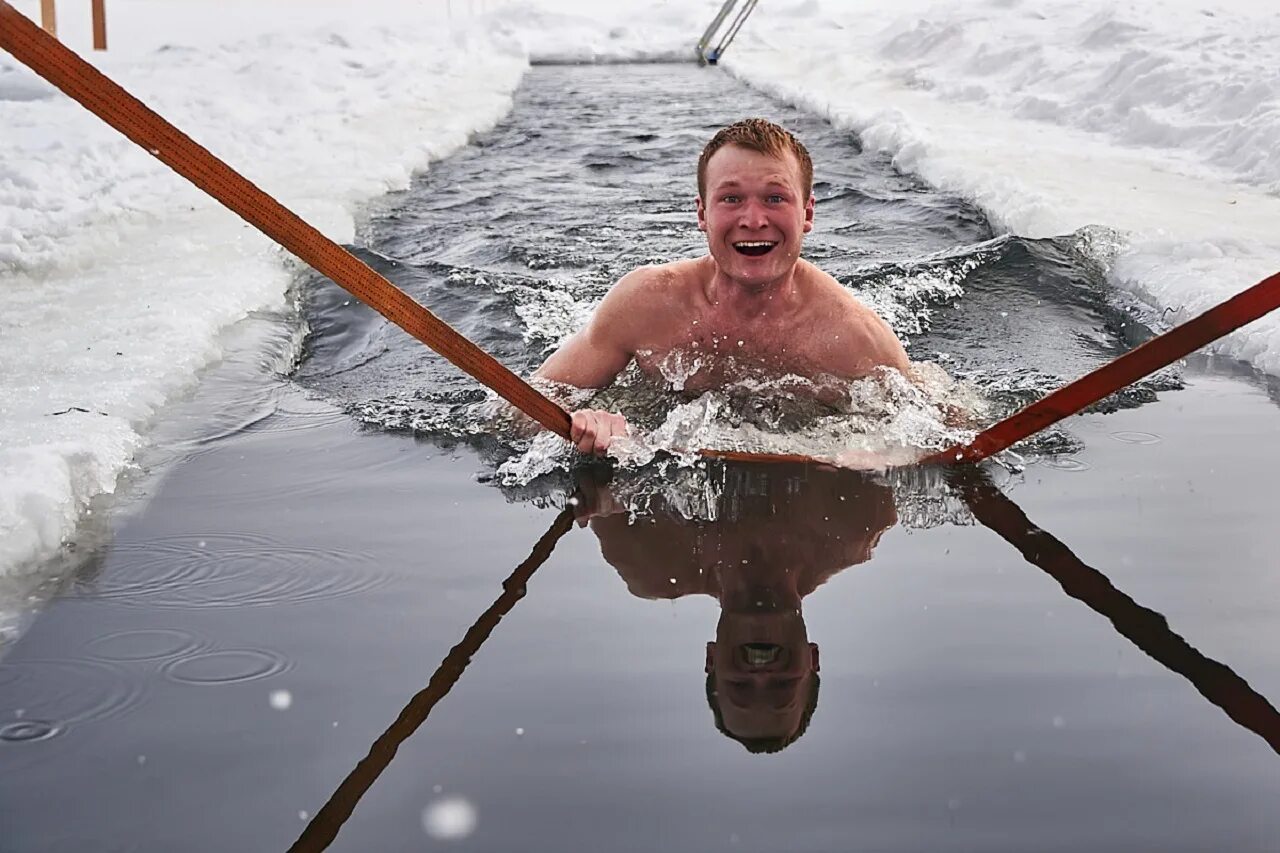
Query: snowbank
[116,276]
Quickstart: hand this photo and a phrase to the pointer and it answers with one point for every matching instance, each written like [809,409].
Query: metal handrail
[712,27]
[713,56]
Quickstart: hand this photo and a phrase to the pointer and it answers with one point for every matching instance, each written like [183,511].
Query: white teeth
[754,243]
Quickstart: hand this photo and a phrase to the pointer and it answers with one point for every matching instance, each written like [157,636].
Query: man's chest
[704,354]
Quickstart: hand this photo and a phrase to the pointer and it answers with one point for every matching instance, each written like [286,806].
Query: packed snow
[1158,119]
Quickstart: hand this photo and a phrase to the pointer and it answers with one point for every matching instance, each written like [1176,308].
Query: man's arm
[595,355]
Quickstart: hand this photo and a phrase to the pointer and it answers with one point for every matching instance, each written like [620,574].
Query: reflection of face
[780,532]
[755,214]
[763,666]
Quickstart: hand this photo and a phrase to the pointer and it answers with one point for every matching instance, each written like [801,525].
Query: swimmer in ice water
[751,305]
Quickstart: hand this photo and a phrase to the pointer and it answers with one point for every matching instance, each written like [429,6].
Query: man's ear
[702,214]
[711,658]
[813,653]
[808,213]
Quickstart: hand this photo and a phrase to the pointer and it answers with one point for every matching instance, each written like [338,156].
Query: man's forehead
[733,165]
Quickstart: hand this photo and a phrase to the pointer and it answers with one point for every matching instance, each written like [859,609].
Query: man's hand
[593,430]
[593,499]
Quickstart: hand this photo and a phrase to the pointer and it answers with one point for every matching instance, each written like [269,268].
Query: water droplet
[519,732]
[302,814]
[449,818]
[281,699]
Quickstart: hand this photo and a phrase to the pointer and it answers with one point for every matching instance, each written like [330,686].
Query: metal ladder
[708,55]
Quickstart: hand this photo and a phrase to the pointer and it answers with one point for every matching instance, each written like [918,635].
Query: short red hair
[762,135]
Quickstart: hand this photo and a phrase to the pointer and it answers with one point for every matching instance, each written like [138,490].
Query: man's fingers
[585,427]
[593,431]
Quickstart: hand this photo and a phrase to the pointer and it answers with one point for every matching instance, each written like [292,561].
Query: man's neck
[747,303]
[748,587]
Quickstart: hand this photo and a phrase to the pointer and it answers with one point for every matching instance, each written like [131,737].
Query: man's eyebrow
[772,182]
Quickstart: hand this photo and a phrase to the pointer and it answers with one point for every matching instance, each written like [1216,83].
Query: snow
[1159,119]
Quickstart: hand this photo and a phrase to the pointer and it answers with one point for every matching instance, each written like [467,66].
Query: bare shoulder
[648,296]
[661,282]
[857,339]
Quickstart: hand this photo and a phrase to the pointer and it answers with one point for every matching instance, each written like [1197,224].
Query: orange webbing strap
[109,102]
[1156,353]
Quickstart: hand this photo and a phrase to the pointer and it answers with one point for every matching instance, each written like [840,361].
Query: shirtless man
[750,305]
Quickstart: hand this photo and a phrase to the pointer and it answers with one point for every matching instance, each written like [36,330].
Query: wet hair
[763,744]
[763,136]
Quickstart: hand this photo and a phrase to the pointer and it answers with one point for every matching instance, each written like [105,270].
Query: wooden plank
[99,24]
[49,17]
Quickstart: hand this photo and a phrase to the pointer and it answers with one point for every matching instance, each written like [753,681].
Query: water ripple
[230,570]
[227,666]
[43,697]
[142,645]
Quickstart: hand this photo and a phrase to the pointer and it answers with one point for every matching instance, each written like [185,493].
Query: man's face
[763,666]
[755,214]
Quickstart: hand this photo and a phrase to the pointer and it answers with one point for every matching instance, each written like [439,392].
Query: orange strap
[1178,342]
[109,102]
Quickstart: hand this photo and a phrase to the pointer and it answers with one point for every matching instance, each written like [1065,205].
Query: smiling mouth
[754,248]
[760,654]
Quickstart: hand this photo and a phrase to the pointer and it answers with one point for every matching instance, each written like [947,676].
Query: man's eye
[776,199]
[730,199]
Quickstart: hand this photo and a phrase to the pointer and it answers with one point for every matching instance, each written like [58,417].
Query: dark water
[319,632]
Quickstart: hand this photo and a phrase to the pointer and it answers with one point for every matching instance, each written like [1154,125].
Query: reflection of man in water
[783,531]
[750,306]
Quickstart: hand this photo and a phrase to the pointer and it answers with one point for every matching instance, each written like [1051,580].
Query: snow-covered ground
[1157,118]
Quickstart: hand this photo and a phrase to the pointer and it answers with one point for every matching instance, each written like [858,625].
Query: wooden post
[48,18]
[99,25]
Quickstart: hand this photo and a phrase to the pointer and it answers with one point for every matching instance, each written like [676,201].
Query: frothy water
[515,239]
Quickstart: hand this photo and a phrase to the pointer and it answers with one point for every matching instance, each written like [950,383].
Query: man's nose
[752,215]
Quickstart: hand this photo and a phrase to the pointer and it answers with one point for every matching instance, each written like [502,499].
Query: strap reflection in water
[1146,629]
[324,827]
[780,532]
